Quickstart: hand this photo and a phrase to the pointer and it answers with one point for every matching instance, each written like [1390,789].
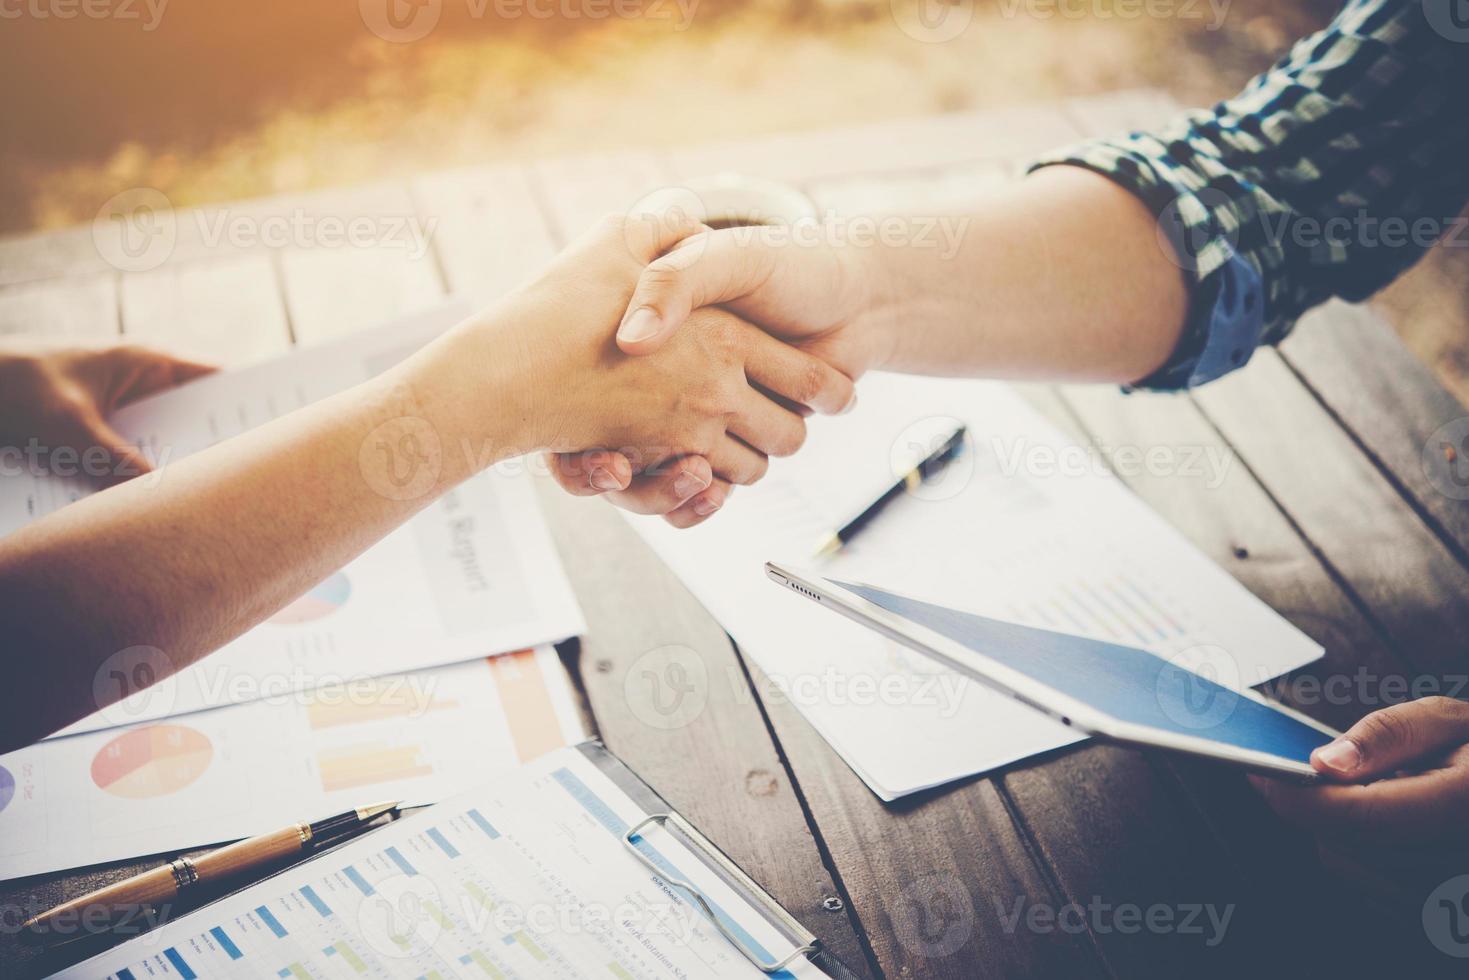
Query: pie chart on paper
[152,761]
[7,788]
[321,601]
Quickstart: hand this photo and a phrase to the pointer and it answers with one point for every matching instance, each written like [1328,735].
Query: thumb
[1387,740]
[125,459]
[713,267]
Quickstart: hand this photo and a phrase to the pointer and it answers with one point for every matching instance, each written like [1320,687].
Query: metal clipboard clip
[808,942]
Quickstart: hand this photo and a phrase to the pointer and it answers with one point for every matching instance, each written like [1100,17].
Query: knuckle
[1444,707]
[1386,730]
[791,440]
[811,381]
[661,276]
[753,471]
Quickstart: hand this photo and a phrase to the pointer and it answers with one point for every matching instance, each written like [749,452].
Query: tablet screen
[1126,683]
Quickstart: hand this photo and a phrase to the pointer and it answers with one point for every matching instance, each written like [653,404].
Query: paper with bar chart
[475,573]
[245,769]
[1024,526]
[526,876]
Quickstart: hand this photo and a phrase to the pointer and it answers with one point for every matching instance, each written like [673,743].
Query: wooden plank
[224,312]
[1005,134]
[1410,584]
[577,191]
[1391,402]
[490,235]
[50,255]
[928,878]
[74,308]
[669,697]
[1118,113]
[1118,830]
[1229,516]
[948,190]
[361,257]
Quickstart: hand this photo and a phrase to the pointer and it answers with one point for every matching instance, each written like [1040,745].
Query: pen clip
[808,942]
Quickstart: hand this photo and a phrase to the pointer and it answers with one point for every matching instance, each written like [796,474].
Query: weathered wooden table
[1333,514]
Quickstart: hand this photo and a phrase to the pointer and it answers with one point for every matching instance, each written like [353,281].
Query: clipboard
[660,814]
[316,908]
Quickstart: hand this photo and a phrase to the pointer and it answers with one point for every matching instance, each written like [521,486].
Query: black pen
[925,470]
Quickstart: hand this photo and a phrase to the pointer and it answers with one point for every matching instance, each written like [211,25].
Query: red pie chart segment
[152,761]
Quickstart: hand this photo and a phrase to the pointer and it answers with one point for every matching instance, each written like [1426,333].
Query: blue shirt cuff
[1221,332]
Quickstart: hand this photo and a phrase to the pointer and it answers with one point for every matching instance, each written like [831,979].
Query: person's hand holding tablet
[1398,776]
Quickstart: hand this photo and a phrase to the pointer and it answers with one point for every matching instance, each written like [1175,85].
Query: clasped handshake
[685,399]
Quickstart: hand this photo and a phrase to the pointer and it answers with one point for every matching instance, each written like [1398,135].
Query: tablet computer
[1105,689]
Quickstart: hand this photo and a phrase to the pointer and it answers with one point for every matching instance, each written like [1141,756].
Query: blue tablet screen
[1126,683]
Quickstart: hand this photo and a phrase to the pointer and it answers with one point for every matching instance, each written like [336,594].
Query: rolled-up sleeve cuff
[1226,317]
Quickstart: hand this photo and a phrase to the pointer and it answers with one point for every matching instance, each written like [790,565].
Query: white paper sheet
[1025,526]
[524,877]
[475,573]
[231,772]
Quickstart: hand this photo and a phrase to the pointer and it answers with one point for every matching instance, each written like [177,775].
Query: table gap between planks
[1329,510]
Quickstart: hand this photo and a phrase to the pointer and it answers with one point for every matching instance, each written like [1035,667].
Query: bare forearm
[1063,277]
[190,558]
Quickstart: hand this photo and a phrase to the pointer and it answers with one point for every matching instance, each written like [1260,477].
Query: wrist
[873,317]
[477,388]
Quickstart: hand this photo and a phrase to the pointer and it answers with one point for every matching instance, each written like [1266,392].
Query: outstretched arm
[217,542]
[1161,259]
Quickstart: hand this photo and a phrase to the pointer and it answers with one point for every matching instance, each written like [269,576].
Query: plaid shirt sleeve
[1328,175]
